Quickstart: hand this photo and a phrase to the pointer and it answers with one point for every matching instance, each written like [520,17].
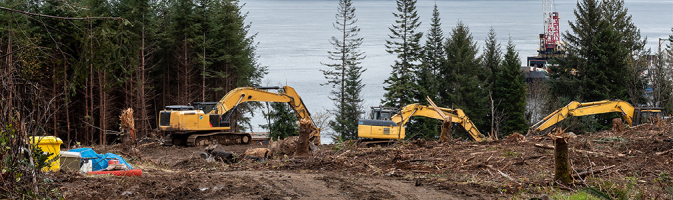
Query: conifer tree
[184,34]
[510,86]
[638,57]
[465,77]
[234,61]
[432,58]
[492,57]
[344,74]
[404,42]
[283,121]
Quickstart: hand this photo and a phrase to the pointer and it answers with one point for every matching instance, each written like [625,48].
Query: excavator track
[373,143]
[223,138]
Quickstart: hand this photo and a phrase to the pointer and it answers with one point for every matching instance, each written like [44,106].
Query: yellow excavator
[632,115]
[388,123]
[209,122]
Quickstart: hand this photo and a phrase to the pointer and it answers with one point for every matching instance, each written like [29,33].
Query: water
[293,36]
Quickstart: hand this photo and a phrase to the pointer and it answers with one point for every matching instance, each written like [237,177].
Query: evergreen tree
[233,61]
[344,75]
[433,57]
[510,86]
[404,42]
[465,77]
[352,109]
[283,121]
[599,53]
[492,59]
[183,33]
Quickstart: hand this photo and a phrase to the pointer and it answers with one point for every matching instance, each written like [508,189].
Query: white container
[70,160]
[87,166]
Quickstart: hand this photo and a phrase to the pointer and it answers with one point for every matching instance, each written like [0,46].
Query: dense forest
[71,66]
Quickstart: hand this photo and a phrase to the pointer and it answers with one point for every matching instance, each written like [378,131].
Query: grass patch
[508,154]
[580,195]
[611,139]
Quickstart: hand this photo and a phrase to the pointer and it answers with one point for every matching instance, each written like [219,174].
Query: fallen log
[664,152]
[483,152]
[507,176]
[595,171]
[422,160]
[582,151]
[543,146]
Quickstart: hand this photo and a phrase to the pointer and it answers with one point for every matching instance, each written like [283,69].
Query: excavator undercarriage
[208,138]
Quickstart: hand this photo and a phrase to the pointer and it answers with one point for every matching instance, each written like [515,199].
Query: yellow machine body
[393,128]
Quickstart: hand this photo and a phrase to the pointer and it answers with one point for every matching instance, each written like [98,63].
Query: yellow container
[52,145]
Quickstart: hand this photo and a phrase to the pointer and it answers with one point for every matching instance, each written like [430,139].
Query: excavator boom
[629,113]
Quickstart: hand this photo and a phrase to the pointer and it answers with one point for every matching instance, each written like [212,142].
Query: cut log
[258,153]
[483,152]
[596,171]
[543,146]
[664,152]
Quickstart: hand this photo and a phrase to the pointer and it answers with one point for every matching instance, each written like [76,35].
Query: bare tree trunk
[53,89]
[203,73]
[143,105]
[91,104]
[102,76]
[10,70]
[491,135]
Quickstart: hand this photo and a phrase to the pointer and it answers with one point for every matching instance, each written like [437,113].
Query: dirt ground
[639,160]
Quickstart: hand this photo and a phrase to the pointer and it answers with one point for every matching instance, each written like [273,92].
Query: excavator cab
[379,125]
[206,107]
[382,113]
[644,115]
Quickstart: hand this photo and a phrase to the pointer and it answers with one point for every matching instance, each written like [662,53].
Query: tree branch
[56,17]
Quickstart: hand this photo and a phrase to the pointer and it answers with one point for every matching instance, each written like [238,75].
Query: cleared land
[641,160]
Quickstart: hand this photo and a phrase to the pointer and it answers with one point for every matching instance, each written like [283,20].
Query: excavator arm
[244,94]
[411,110]
[581,109]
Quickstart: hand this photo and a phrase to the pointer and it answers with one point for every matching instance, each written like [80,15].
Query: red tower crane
[550,40]
[551,26]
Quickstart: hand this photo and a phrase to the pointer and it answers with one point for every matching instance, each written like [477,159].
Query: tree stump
[128,127]
[305,130]
[445,135]
[618,125]
[562,169]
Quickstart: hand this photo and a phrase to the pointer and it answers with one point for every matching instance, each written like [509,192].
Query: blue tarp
[99,161]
